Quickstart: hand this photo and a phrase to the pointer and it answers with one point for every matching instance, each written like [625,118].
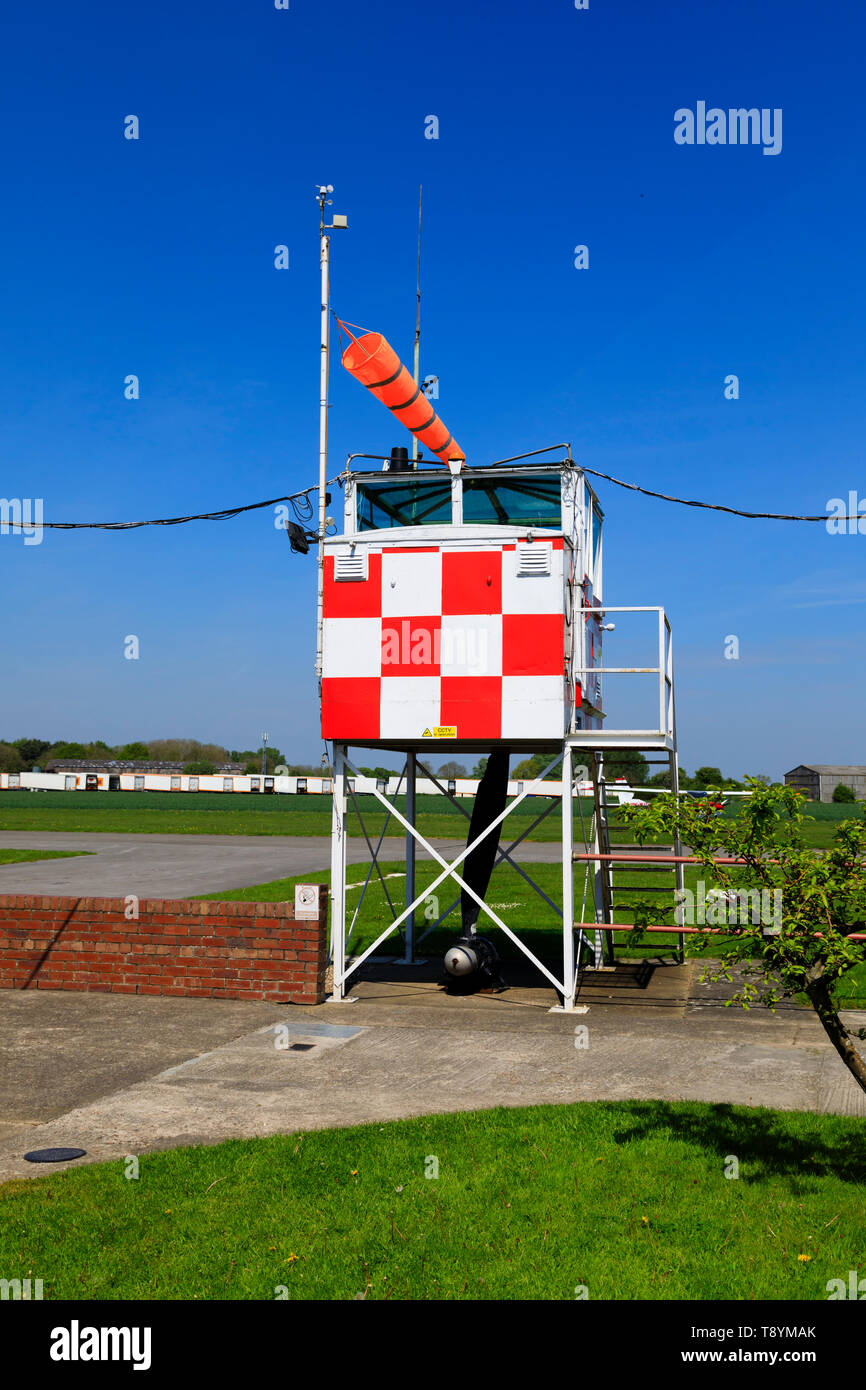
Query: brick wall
[218,950]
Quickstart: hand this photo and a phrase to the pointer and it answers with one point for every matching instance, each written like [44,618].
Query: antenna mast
[324,245]
[418,320]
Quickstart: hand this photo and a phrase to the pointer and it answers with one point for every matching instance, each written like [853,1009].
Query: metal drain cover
[54,1155]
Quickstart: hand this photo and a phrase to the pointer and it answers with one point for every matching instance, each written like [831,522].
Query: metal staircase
[608,861]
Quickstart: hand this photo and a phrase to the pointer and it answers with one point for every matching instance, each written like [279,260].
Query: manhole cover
[54,1155]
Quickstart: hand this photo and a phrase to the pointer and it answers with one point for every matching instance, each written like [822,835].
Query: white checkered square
[409,705]
[533,705]
[531,593]
[411,584]
[471,644]
[351,646]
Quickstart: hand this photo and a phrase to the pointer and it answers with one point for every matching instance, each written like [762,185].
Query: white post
[411,773]
[323,434]
[418,324]
[338,873]
[567,879]
[598,848]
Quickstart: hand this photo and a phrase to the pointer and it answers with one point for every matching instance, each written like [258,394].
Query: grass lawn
[214,813]
[23,856]
[626,1201]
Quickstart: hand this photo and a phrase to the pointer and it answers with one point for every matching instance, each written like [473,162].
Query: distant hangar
[820,780]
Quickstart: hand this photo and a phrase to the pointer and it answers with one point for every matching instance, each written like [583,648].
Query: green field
[215,813]
[23,856]
[601,1201]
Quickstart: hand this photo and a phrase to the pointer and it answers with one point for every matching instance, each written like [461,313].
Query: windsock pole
[418,322]
[324,247]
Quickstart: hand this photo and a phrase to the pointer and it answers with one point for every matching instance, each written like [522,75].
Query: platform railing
[664,671]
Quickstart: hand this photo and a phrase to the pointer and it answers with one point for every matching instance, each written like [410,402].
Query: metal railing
[664,671]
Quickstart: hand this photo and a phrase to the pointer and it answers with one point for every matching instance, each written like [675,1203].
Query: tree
[707,777]
[843,793]
[134,753]
[624,762]
[806,947]
[199,767]
[531,768]
[663,779]
[185,750]
[10,758]
[480,768]
[68,750]
[31,750]
[452,769]
[273,758]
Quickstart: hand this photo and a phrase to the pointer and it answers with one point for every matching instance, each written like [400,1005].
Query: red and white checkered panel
[439,637]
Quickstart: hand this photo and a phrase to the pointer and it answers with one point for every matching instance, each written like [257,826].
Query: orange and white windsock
[372,361]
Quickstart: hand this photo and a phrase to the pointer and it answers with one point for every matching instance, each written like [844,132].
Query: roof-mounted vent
[351,567]
[533,558]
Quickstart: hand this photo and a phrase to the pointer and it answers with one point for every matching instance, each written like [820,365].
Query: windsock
[372,361]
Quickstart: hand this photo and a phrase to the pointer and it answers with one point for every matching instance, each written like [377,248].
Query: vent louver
[351,567]
[533,558]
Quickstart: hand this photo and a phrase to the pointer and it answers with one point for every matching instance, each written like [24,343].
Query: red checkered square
[471,581]
[473,704]
[354,598]
[533,644]
[350,707]
[411,646]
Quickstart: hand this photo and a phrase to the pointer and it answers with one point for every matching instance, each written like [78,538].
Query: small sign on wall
[306,902]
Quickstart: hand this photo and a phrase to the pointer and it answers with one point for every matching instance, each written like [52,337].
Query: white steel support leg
[409,929]
[567,880]
[338,872]
[600,869]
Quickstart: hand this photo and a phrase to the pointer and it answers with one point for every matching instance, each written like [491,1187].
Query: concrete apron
[120,1075]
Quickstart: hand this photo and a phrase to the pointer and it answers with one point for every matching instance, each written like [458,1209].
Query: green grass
[23,856]
[215,813]
[628,1200]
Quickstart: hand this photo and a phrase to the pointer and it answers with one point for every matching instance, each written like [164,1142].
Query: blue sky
[155,257]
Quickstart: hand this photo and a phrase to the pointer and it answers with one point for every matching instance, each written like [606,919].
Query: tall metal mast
[324,246]
[418,319]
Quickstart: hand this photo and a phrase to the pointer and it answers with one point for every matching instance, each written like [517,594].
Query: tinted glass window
[532,501]
[406,501]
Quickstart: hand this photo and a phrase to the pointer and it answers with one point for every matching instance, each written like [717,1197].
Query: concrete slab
[128,1075]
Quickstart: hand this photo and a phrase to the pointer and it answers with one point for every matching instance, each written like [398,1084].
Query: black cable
[224,515]
[714,506]
[299,501]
